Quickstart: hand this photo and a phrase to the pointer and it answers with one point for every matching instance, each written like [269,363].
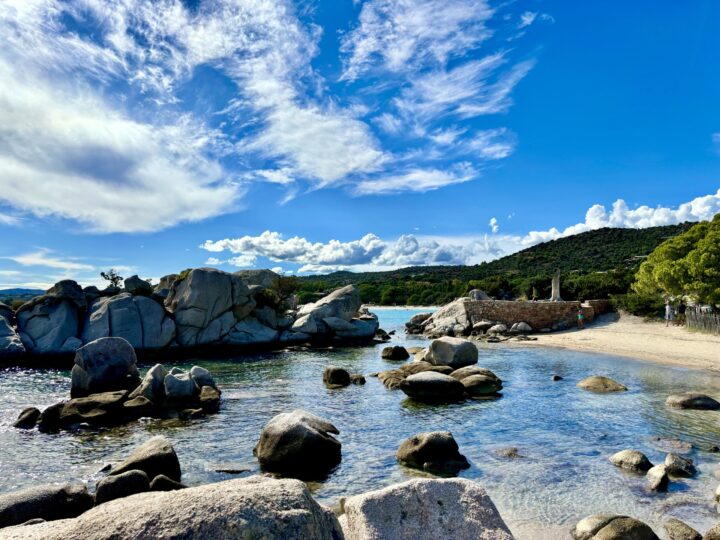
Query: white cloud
[418,180]
[527,18]
[404,34]
[8,220]
[44,258]
[213,261]
[246,260]
[373,253]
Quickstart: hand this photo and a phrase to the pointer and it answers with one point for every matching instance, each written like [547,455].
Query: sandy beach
[631,336]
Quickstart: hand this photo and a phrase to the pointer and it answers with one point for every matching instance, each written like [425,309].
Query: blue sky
[314,135]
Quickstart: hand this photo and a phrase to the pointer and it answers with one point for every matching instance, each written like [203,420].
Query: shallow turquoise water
[565,434]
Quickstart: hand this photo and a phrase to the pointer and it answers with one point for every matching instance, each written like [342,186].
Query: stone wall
[600,306]
[539,315]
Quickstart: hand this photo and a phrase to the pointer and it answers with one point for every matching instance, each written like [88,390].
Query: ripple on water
[564,435]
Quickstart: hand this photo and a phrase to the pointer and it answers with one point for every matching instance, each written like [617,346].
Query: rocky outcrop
[299,445]
[692,400]
[612,527]
[679,466]
[416,323]
[600,384]
[453,352]
[49,325]
[104,365]
[450,320]
[631,460]
[391,379]
[43,502]
[136,286]
[434,452]
[249,331]
[140,320]
[255,507]
[207,304]
[452,508]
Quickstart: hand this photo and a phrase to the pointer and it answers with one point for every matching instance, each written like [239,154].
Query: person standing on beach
[681,314]
[580,317]
[669,314]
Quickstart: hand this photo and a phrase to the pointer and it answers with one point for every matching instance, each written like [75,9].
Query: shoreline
[637,339]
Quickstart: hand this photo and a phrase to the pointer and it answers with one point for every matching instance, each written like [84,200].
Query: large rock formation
[454,508]
[255,507]
[450,320]
[49,324]
[207,304]
[138,319]
[298,444]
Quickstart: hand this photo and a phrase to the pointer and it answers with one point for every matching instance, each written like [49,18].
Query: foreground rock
[155,457]
[433,387]
[298,444]
[631,460]
[44,502]
[677,530]
[255,507]
[453,352]
[713,533]
[692,400]
[435,452]
[612,527]
[451,508]
[598,383]
[104,365]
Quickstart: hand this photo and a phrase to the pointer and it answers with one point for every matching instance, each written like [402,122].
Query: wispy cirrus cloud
[374,253]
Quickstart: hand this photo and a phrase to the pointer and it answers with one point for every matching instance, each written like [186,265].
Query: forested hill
[593,264]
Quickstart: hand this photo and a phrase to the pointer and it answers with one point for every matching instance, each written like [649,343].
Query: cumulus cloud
[373,253]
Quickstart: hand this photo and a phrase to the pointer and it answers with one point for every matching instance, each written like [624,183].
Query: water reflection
[563,434]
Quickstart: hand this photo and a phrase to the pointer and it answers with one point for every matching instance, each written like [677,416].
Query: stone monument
[555,297]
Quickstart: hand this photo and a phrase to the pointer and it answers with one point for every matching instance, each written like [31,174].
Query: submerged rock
[425,508]
[298,444]
[612,527]
[631,460]
[435,452]
[44,502]
[255,507]
[692,400]
[598,383]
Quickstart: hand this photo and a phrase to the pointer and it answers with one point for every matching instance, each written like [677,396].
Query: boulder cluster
[199,307]
[107,390]
[453,319]
[444,372]
[657,476]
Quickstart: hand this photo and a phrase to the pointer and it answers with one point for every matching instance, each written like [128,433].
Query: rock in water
[152,386]
[631,460]
[677,530]
[163,483]
[44,502]
[692,400]
[451,508]
[336,377]
[343,304]
[121,485]
[679,466]
[28,418]
[298,444]
[255,507]
[104,365]
[431,386]
[657,478]
[453,352]
[395,353]
[154,457]
[612,527]
[435,452]
[598,383]
[451,319]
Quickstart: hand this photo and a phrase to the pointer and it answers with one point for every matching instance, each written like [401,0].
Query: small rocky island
[195,311]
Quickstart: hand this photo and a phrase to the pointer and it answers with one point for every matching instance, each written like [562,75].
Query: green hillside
[593,264]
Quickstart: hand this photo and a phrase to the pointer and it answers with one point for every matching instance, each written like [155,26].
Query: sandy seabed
[634,337]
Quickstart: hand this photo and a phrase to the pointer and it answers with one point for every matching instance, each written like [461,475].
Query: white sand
[631,336]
